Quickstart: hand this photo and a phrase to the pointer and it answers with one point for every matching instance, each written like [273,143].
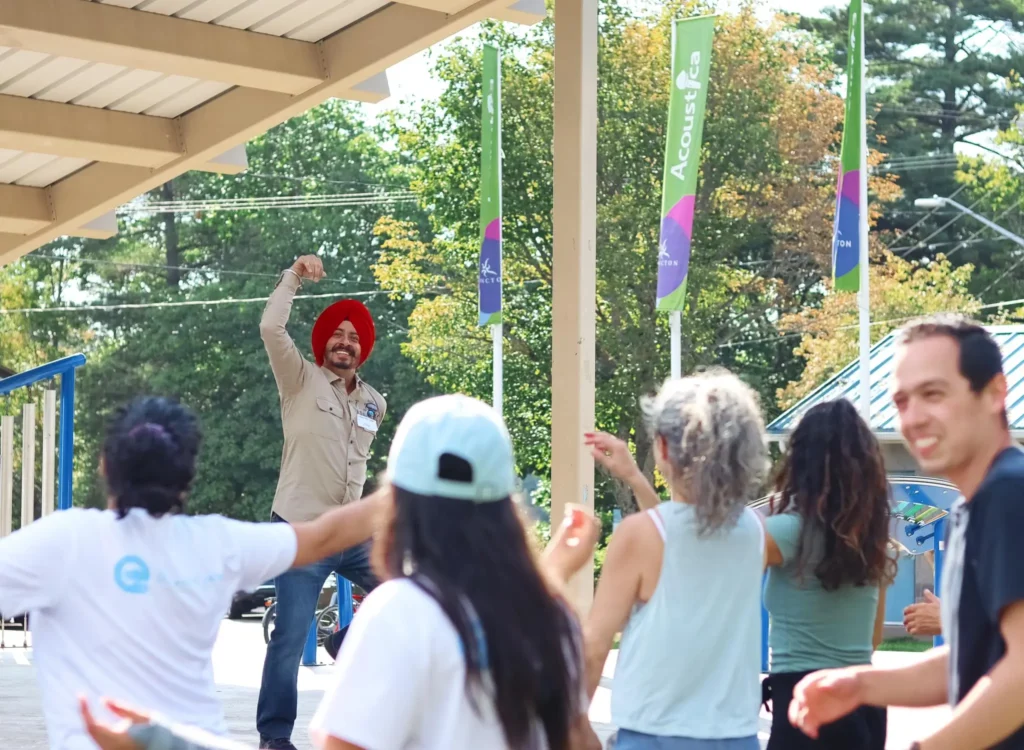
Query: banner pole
[676,322]
[864,293]
[496,335]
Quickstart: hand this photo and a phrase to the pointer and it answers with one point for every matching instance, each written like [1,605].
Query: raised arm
[613,454]
[285,360]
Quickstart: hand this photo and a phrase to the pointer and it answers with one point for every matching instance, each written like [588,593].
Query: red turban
[329,320]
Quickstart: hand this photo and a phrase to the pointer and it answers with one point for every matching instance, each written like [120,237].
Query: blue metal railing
[65,370]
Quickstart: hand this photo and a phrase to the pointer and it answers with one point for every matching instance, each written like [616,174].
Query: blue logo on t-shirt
[131,574]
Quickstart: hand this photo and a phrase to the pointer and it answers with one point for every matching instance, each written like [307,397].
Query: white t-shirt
[129,609]
[400,681]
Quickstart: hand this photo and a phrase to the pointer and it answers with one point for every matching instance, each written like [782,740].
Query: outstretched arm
[285,360]
[338,529]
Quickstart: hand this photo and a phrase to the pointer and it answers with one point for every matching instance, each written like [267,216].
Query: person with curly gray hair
[682,580]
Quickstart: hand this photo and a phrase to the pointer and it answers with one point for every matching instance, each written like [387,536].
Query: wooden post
[574,265]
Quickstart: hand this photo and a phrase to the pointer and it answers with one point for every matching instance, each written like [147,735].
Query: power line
[805,331]
[956,218]
[924,218]
[166,267]
[270,202]
[182,303]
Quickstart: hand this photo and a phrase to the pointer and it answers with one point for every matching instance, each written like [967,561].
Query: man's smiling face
[343,351]
[941,418]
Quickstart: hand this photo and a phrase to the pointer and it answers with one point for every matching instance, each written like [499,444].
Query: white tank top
[690,658]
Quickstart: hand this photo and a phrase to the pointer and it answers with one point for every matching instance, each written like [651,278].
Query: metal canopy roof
[883,414]
[103,100]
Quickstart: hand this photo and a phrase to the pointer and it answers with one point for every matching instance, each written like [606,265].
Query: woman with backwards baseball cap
[467,644]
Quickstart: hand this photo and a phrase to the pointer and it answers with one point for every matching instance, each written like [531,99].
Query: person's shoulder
[373,394]
[1006,471]
[1003,487]
[79,518]
[402,600]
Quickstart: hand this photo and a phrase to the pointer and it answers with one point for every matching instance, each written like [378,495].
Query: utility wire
[922,243]
[182,303]
[274,202]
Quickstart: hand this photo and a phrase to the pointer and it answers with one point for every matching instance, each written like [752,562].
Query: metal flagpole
[864,293]
[496,334]
[676,323]
[490,277]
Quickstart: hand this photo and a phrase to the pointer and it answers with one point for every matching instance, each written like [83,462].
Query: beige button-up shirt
[327,430]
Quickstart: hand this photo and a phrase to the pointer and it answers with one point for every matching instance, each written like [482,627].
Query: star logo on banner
[486,270]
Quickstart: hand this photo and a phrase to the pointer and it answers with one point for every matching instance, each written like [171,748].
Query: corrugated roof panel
[14,63]
[187,99]
[52,171]
[85,79]
[335,20]
[42,77]
[120,86]
[846,384]
[24,164]
[298,15]
[210,10]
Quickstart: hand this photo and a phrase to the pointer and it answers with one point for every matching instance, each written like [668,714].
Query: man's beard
[352,362]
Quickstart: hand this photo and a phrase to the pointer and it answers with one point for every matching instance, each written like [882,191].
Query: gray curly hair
[712,425]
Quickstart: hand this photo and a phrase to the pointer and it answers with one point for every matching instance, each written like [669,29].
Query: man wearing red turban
[330,418]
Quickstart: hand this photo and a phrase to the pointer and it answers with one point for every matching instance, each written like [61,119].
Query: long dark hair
[474,559]
[833,475]
[149,455]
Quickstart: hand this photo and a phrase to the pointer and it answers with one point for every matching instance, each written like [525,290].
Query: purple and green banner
[489,281]
[691,67]
[846,237]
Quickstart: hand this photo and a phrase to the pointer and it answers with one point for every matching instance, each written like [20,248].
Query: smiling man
[950,392]
[330,418]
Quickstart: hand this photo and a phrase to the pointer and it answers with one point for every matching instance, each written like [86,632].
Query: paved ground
[238,661]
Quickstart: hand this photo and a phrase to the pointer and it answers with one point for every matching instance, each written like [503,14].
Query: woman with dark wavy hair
[829,564]
[468,643]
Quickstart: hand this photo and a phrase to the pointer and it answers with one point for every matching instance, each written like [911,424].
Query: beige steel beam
[150,41]
[23,210]
[86,132]
[574,267]
[353,57]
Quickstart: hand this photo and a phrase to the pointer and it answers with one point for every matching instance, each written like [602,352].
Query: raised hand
[923,618]
[572,543]
[611,453]
[108,737]
[309,267]
[823,697]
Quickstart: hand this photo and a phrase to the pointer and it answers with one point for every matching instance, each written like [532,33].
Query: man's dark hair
[149,455]
[980,358]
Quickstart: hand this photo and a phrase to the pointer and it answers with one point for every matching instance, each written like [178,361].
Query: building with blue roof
[916,572]
[884,419]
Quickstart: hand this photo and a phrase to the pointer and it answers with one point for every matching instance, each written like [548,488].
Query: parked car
[245,602]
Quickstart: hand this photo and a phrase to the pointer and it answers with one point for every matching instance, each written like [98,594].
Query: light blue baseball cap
[442,436]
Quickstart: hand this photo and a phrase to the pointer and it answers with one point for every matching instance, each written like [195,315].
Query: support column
[574,266]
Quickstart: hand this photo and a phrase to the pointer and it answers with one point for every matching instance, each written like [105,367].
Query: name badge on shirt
[367,423]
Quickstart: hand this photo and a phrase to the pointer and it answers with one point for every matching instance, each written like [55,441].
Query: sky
[411,78]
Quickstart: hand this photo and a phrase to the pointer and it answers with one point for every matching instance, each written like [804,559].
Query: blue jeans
[626,739]
[297,593]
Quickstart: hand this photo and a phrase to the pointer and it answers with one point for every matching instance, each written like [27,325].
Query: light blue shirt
[689,661]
